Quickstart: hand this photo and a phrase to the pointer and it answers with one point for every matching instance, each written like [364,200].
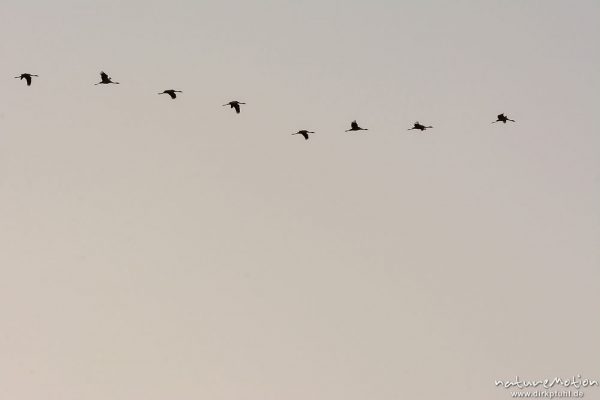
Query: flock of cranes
[105,80]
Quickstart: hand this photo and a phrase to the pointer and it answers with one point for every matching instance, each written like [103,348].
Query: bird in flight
[171,92]
[303,132]
[503,118]
[354,127]
[419,126]
[234,104]
[25,76]
[105,79]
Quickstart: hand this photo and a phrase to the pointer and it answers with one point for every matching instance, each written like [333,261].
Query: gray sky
[164,249]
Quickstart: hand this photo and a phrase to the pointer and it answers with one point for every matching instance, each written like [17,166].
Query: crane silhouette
[303,132]
[171,92]
[503,118]
[105,79]
[354,127]
[25,76]
[419,126]
[234,104]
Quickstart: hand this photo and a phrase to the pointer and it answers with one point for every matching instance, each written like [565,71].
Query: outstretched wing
[354,125]
[28,79]
[236,106]
[171,93]
[303,133]
[104,76]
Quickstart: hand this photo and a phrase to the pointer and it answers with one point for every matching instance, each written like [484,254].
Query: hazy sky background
[156,249]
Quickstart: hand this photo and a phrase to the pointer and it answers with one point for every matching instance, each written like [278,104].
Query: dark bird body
[234,104]
[420,127]
[171,92]
[27,78]
[354,127]
[303,132]
[105,79]
[503,118]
